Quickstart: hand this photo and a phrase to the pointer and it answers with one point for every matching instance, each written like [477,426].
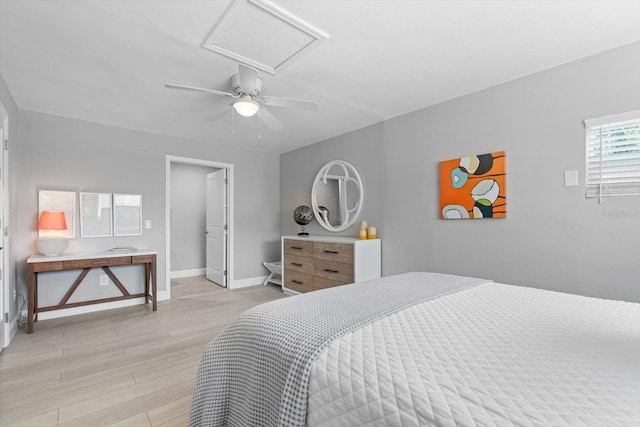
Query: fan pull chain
[233,121]
[259,124]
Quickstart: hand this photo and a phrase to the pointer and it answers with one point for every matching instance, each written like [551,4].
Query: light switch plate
[571,178]
[147,224]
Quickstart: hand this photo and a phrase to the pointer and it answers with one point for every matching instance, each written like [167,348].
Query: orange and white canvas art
[474,187]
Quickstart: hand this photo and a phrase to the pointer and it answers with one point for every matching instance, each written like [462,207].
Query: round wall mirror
[337,195]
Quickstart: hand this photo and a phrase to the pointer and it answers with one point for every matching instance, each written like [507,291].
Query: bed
[422,349]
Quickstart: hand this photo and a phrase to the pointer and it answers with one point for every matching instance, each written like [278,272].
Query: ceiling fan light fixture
[246,107]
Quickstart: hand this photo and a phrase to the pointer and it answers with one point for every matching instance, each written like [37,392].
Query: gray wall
[66,154]
[553,237]
[188,216]
[299,168]
[14,151]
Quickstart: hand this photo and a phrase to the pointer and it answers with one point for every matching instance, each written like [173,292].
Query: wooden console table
[40,264]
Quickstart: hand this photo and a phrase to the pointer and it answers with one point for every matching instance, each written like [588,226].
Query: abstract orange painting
[474,187]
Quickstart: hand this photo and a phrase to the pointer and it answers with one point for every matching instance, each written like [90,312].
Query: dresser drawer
[298,247]
[47,266]
[142,259]
[319,262]
[322,283]
[98,262]
[339,252]
[335,271]
[300,282]
[300,264]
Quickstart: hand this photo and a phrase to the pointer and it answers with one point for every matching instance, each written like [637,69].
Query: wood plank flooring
[127,367]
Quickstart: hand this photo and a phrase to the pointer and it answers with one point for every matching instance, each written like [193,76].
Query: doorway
[220,255]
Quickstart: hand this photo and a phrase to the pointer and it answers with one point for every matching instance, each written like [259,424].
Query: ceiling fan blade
[301,104]
[199,89]
[269,119]
[218,114]
[248,78]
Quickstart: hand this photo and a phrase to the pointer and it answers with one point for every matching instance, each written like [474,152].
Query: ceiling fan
[248,100]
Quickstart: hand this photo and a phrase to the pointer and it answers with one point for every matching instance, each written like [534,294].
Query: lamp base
[52,246]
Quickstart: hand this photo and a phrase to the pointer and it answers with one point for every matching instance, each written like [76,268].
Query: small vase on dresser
[317,262]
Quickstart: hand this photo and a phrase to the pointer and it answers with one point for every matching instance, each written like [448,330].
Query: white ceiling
[107,61]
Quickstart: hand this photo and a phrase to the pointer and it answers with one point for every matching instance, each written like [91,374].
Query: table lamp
[51,242]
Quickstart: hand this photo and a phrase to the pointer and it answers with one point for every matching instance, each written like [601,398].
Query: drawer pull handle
[331,252]
[296,247]
[331,271]
[297,281]
[296,264]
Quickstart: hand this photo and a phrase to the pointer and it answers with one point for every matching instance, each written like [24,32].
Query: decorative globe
[303,215]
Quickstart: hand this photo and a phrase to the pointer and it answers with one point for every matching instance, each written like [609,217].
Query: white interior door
[216,223]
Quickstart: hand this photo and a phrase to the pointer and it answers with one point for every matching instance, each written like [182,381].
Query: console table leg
[31,296]
[147,272]
[154,285]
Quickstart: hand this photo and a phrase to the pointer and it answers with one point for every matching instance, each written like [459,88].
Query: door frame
[5,287]
[230,223]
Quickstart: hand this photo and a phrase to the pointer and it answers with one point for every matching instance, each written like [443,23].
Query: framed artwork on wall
[95,215]
[127,214]
[59,201]
[474,187]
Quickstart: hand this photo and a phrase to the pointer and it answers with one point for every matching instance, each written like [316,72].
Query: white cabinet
[310,263]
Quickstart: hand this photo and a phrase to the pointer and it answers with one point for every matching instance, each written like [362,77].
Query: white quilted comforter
[492,355]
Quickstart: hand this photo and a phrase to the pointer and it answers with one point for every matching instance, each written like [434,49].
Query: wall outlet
[15,294]
[104,280]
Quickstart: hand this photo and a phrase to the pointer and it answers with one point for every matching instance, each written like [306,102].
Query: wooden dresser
[318,262]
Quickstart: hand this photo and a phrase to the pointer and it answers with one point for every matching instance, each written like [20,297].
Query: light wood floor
[124,367]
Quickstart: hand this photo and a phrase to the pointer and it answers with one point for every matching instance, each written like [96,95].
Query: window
[613,156]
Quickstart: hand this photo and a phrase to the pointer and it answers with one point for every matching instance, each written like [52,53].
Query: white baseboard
[187,273]
[13,328]
[162,295]
[244,283]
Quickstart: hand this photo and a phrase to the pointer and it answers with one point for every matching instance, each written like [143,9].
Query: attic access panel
[262,35]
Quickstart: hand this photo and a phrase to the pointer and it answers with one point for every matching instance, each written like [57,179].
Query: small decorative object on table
[363,230]
[303,216]
[123,249]
[371,233]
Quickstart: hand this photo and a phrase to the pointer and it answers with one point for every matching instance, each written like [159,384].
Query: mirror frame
[350,174]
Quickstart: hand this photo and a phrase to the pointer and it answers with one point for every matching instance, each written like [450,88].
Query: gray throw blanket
[256,372]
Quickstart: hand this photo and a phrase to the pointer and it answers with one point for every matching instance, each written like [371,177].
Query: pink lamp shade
[52,243]
[52,220]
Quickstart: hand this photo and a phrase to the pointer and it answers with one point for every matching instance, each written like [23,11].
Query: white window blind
[613,155]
